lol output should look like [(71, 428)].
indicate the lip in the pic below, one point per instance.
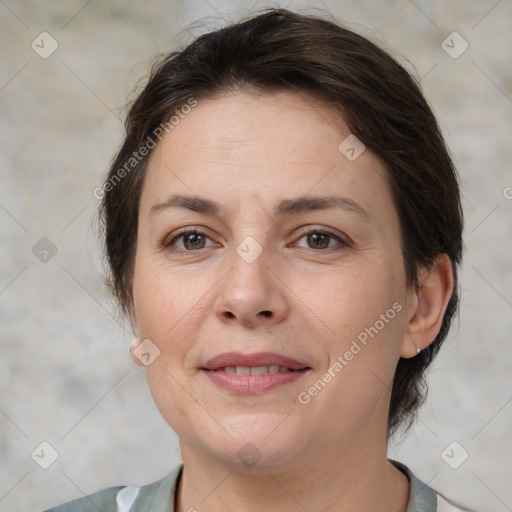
[(259, 359), (253, 384)]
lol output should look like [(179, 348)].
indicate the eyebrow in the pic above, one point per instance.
[(285, 207)]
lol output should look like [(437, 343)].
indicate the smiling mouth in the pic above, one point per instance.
[(255, 380), (256, 370), (249, 374)]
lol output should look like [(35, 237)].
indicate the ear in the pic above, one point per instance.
[(133, 323), (133, 318), (135, 359), (426, 306), (130, 309)]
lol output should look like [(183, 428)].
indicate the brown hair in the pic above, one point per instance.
[(378, 99)]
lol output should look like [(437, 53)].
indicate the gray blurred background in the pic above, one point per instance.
[(65, 374)]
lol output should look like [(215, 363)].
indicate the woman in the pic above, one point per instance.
[(283, 228)]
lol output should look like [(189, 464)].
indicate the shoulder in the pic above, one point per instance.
[(423, 498), (445, 505), (104, 500), (127, 498)]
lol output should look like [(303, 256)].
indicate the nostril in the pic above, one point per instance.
[(266, 313)]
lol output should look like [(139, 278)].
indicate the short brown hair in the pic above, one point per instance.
[(279, 50)]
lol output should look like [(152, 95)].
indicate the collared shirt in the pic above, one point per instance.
[(160, 497)]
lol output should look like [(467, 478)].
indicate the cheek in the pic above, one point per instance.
[(365, 315), (347, 300), (156, 300), (164, 304), (167, 303), (362, 317)]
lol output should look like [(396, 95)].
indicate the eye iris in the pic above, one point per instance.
[(319, 239), (196, 240)]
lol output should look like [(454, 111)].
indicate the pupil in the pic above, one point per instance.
[(194, 239), (315, 239)]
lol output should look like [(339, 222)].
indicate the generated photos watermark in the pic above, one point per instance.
[(304, 397), (144, 150)]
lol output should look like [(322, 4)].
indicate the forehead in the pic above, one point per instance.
[(241, 124), (283, 143)]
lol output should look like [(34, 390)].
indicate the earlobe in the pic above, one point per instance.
[(133, 322), (135, 359), (427, 306)]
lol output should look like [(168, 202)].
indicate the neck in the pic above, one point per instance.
[(355, 478)]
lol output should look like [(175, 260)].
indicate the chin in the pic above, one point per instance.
[(256, 441)]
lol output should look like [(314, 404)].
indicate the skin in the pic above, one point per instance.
[(247, 153)]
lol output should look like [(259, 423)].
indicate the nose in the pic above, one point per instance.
[(252, 294)]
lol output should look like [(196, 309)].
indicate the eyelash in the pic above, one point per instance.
[(342, 243)]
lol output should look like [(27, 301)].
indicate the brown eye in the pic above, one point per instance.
[(318, 240), (322, 240), (193, 241), (188, 241)]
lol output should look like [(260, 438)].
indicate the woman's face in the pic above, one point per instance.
[(269, 280)]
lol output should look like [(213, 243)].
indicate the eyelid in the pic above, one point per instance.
[(170, 239), (343, 240)]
